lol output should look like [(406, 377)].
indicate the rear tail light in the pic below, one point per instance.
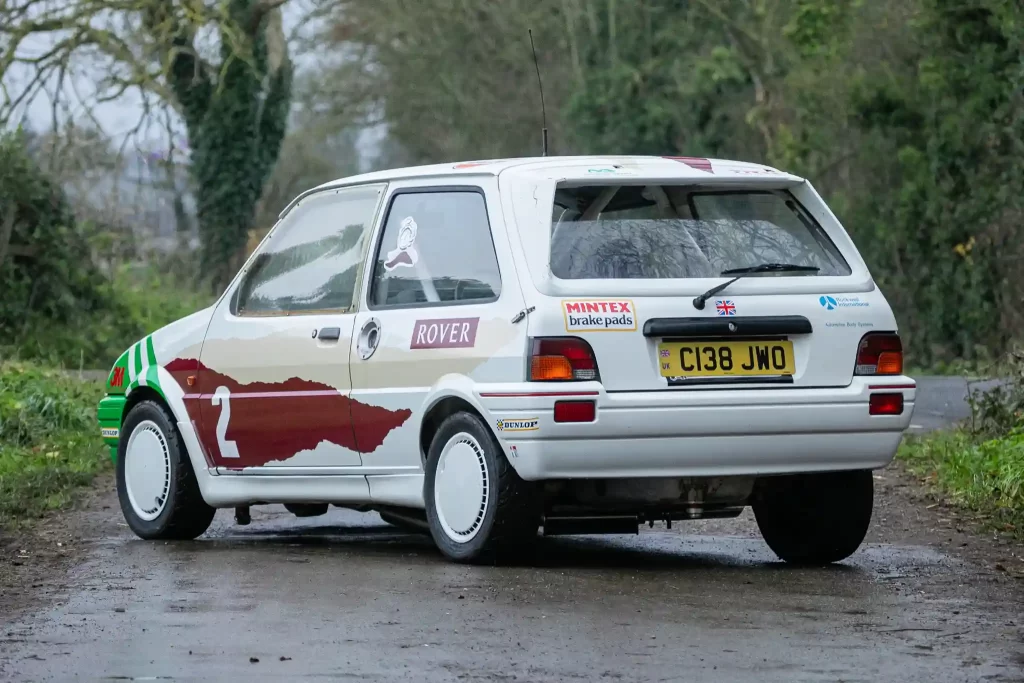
[(880, 353), (575, 411), (562, 359), (885, 404)]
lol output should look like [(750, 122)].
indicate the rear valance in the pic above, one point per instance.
[(727, 327)]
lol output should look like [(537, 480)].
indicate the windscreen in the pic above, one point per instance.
[(670, 232)]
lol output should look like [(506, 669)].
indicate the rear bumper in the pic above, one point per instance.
[(697, 432)]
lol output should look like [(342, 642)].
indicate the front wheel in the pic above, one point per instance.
[(814, 518), (477, 506), (156, 486)]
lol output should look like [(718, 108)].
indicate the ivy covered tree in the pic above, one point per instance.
[(221, 65), (42, 273)]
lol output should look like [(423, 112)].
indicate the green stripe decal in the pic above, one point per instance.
[(152, 379), (138, 359), (150, 353)]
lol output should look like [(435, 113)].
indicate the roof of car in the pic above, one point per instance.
[(570, 168), (570, 165)]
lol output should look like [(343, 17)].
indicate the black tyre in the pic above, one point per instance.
[(814, 518), (156, 486), (478, 508)]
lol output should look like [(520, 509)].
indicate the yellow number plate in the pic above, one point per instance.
[(726, 359)]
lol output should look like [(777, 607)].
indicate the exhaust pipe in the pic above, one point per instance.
[(405, 519), (562, 526)]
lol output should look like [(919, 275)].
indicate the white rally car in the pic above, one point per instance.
[(579, 344)]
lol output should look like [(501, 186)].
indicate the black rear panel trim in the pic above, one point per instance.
[(677, 382), (727, 326)]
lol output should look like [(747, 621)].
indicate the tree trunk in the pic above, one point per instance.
[(235, 131), (6, 230)]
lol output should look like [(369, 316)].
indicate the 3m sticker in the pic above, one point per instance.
[(444, 333), (109, 432), (604, 315), (405, 252), (117, 377), (528, 425)]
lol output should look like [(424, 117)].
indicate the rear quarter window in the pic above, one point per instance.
[(436, 249)]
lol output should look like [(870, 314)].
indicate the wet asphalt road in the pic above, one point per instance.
[(345, 597)]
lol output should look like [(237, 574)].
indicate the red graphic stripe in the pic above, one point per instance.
[(538, 393), (273, 421), (698, 163)]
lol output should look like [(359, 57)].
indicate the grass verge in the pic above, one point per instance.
[(141, 301), (985, 476), (49, 440)]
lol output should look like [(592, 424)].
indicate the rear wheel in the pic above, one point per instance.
[(157, 489), (814, 518), (478, 508)]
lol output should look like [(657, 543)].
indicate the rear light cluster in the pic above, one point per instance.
[(554, 359), (880, 353)]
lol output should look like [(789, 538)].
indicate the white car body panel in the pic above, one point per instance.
[(643, 429)]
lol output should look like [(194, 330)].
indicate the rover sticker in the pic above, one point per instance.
[(594, 315), (444, 333), (530, 424)]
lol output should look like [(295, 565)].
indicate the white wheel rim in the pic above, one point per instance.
[(461, 488), (147, 470)]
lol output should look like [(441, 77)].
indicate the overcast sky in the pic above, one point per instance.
[(120, 117)]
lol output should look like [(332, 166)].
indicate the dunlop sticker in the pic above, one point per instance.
[(527, 425), (109, 432)]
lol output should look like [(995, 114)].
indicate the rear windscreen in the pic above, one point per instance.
[(667, 232)]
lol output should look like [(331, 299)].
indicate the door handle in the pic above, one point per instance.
[(329, 334)]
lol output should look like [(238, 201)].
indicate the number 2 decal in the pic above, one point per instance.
[(228, 449)]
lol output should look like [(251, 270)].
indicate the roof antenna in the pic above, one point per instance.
[(543, 112)]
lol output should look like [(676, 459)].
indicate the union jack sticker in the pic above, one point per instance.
[(725, 307)]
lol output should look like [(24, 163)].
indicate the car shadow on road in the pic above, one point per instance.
[(646, 551)]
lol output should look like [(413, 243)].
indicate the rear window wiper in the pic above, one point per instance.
[(699, 301), (771, 267)]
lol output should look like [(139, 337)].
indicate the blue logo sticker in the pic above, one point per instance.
[(831, 303)]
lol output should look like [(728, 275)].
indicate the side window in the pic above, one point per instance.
[(436, 248), (311, 262)]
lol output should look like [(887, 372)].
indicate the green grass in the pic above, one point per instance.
[(985, 476), (141, 301), (49, 440)]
